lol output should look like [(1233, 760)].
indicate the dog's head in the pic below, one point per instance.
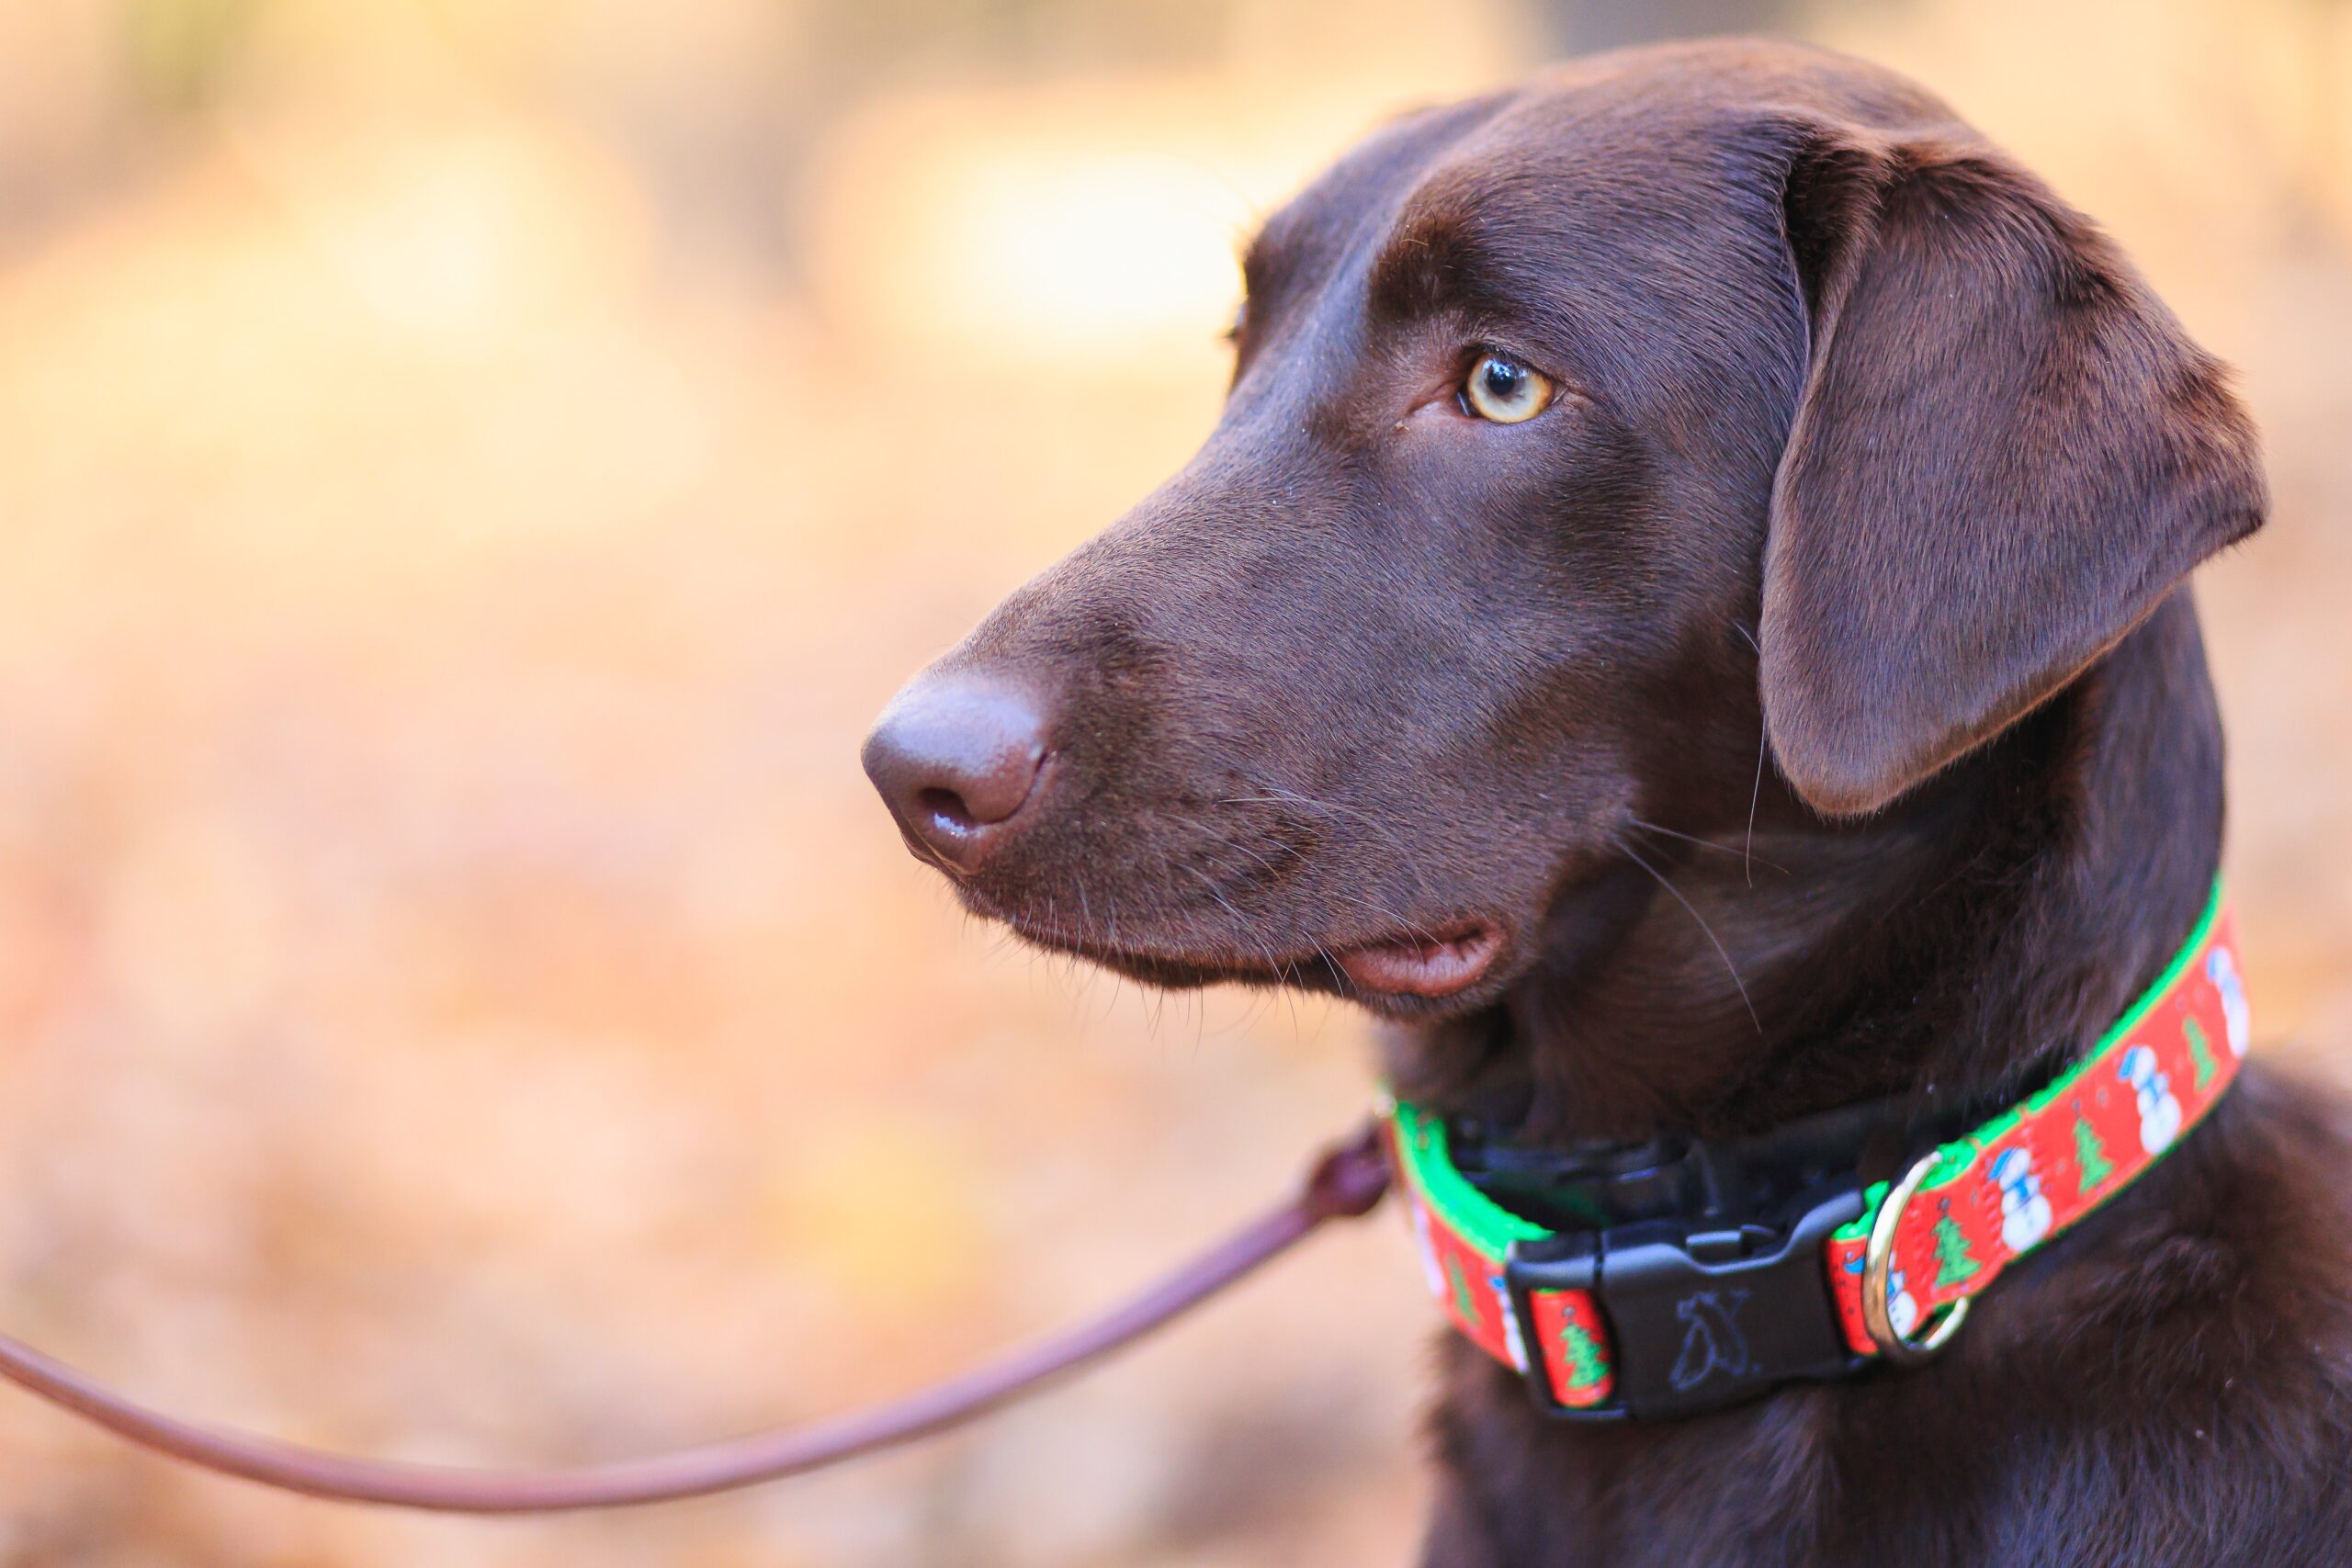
[(1578, 435)]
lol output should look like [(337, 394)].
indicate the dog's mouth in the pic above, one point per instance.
[(1424, 964), (1419, 965)]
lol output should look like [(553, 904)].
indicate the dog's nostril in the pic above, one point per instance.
[(956, 757), (944, 805)]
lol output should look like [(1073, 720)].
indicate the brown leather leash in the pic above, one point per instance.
[(1346, 1181)]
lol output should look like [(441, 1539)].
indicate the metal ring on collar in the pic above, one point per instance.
[(1878, 1262)]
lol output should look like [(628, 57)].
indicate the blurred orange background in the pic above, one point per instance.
[(468, 471)]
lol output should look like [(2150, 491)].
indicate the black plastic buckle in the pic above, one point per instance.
[(1700, 1315)]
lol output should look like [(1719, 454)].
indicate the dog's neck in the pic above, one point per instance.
[(1955, 948)]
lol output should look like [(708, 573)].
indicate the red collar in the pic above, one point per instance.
[(1666, 1317)]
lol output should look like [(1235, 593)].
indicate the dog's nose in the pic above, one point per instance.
[(956, 757)]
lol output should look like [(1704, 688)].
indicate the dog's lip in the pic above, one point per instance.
[(1428, 962), (1425, 963)]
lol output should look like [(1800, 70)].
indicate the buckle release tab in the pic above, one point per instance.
[(1701, 1315)]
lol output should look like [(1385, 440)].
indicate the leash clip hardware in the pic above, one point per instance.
[(1700, 1314)]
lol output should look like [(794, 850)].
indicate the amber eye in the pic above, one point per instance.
[(1504, 390)]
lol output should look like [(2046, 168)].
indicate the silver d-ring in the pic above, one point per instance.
[(1878, 1262)]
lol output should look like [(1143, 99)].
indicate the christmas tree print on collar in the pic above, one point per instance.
[(2091, 1165)]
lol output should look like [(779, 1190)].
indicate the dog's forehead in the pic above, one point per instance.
[(1618, 218), (1615, 147), (1560, 183)]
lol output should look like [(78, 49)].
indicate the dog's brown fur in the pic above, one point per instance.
[(1841, 589)]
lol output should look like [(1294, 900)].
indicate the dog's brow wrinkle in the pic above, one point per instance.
[(1409, 280)]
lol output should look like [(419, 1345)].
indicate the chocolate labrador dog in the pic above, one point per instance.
[(1683, 616)]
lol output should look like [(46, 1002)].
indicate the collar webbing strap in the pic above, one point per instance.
[(1714, 1324)]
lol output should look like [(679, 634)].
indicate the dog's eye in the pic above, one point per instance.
[(1504, 390)]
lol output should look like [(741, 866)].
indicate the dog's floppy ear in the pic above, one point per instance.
[(2005, 455)]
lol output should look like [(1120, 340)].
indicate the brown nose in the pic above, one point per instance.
[(956, 757)]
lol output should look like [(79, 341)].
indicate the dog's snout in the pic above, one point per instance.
[(956, 757)]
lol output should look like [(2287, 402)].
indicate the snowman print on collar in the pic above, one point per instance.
[(2221, 968), (2159, 1107), (1513, 1341), (1902, 1307), (2025, 1209)]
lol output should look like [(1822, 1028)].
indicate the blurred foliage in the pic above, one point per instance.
[(469, 470), (177, 52)]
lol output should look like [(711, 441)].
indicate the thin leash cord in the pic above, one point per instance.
[(1346, 1181)]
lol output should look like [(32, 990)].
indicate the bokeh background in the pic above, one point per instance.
[(467, 472)]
